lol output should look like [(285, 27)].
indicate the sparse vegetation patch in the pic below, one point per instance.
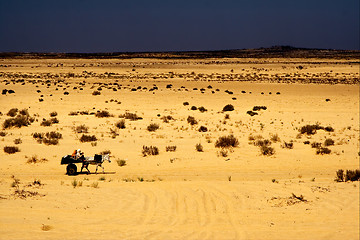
[(11, 149), (153, 127), (152, 150), (88, 138), (227, 141), (191, 120)]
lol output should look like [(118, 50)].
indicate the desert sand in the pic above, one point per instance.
[(230, 193)]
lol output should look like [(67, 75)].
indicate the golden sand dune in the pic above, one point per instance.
[(283, 190)]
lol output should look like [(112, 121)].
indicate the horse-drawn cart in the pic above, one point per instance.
[(71, 168)]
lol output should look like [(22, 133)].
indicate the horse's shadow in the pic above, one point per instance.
[(93, 173)]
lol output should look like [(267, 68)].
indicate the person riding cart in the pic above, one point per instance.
[(78, 155)]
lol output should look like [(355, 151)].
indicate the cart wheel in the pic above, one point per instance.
[(71, 169)]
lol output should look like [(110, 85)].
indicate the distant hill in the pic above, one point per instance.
[(272, 52)]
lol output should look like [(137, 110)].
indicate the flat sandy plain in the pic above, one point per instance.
[(184, 194)]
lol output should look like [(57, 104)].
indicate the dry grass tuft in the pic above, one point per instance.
[(227, 141), (34, 159), (88, 138), (153, 127), (199, 147), (152, 150)]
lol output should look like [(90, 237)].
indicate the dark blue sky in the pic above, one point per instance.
[(118, 26)]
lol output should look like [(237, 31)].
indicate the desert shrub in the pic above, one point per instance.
[(227, 116), (73, 113), (310, 129), (323, 150), (261, 143), (153, 127), (130, 116), (352, 175), (50, 141), (227, 141), (170, 148), (11, 149), (84, 112), (74, 183), (339, 175), (38, 135), (17, 141), (329, 129), (193, 108), (18, 121), (251, 113), (306, 142), (316, 145), (121, 162), (252, 138), (53, 135), (103, 113), (49, 138), (81, 129), (88, 138), (288, 145), (199, 147), (12, 112), (120, 124), (24, 112), (95, 93), (152, 150), (34, 159), (258, 108), (275, 138), (185, 103), (203, 129), (228, 107), (329, 142), (267, 150), (202, 109), (54, 120), (191, 120), (46, 123), (53, 114), (2, 134), (223, 152), (166, 119)]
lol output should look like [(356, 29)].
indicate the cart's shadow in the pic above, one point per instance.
[(93, 173)]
